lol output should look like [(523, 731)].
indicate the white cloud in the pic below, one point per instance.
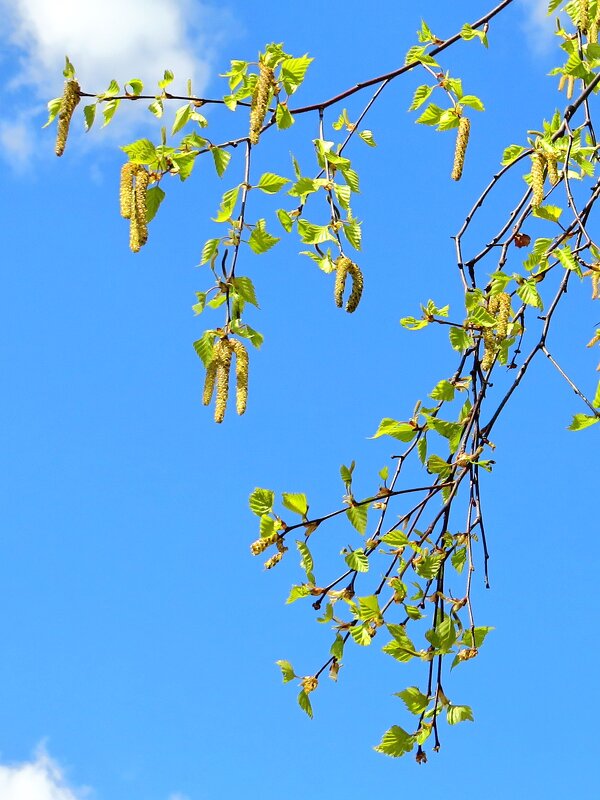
[(539, 27), (178, 796), (41, 779), (104, 39)]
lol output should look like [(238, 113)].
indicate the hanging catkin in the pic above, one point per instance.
[(68, 103), (260, 101), (462, 140)]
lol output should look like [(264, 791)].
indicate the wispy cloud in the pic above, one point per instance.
[(105, 39), (40, 779), (539, 27)]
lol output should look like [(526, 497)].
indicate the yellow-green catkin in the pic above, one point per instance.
[(462, 140), (260, 545), (342, 265), (537, 179), (273, 561), (561, 82), (570, 86), (223, 356), (552, 169), (260, 101), (138, 231), (596, 284), (584, 14), (209, 381), (68, 103), (310, 683), (241, 375), (499, 306), (503, 315), (126, 189), (357, 287), (593, 27)]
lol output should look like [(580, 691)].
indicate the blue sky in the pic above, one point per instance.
[(138, 634)]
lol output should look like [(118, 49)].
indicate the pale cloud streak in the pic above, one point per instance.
[(40, 779), (539, 27), (104, 39)]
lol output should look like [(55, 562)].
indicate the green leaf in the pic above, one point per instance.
[(567, 259), (529, 294), (182, 117), (346, 473), (306, 562), (596, 400), (271, 183), (422, 93), (198, 307), (431, 115), (53, 109), (428, 566), (337, 648), (184, 164), (109, 111), (154, 198), (244, 287), (295, 502), (512, 152), (581, 421), (460, 339), (455, 714), (221, 159), (260, 240), (283, 118), (209, 251), (89, 114), (472, 102), (358, 517), (351, 178), (403, 431), (287, 670), (357, 560), (204, 347), (140, 152), (293, 72), (254, 337), (459, 559), (368, 608), (261, 501), (395, 742), (480, 317), (314, 234), (69, 70), (395, 538), (353, 233), (304, 703), (286, 221), (444, 390), (156, 107), (135, 87), (367, 136), (477, 637), (298, 592), (361, 634), (551, 213), (414, 700), (167, 79)]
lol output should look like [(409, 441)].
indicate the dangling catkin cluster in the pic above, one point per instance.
[(260, 101), (462, 140), (68, 103), (309, 684), (218, 370), (343, 267), (499, 307), (537, 179), (260, 545)]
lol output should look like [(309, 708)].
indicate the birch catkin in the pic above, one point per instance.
[(462, 140), (260, 101), (344, 267), (138, 231), (241, 375), (126, 189), (552, 169), (537, 179), (223, 367), (68, 103), (584, 13)]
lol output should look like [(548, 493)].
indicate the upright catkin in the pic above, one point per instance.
[(241, 375), (126, 189), (68, 103), (260, 101), (537, 179), (462, 140)]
